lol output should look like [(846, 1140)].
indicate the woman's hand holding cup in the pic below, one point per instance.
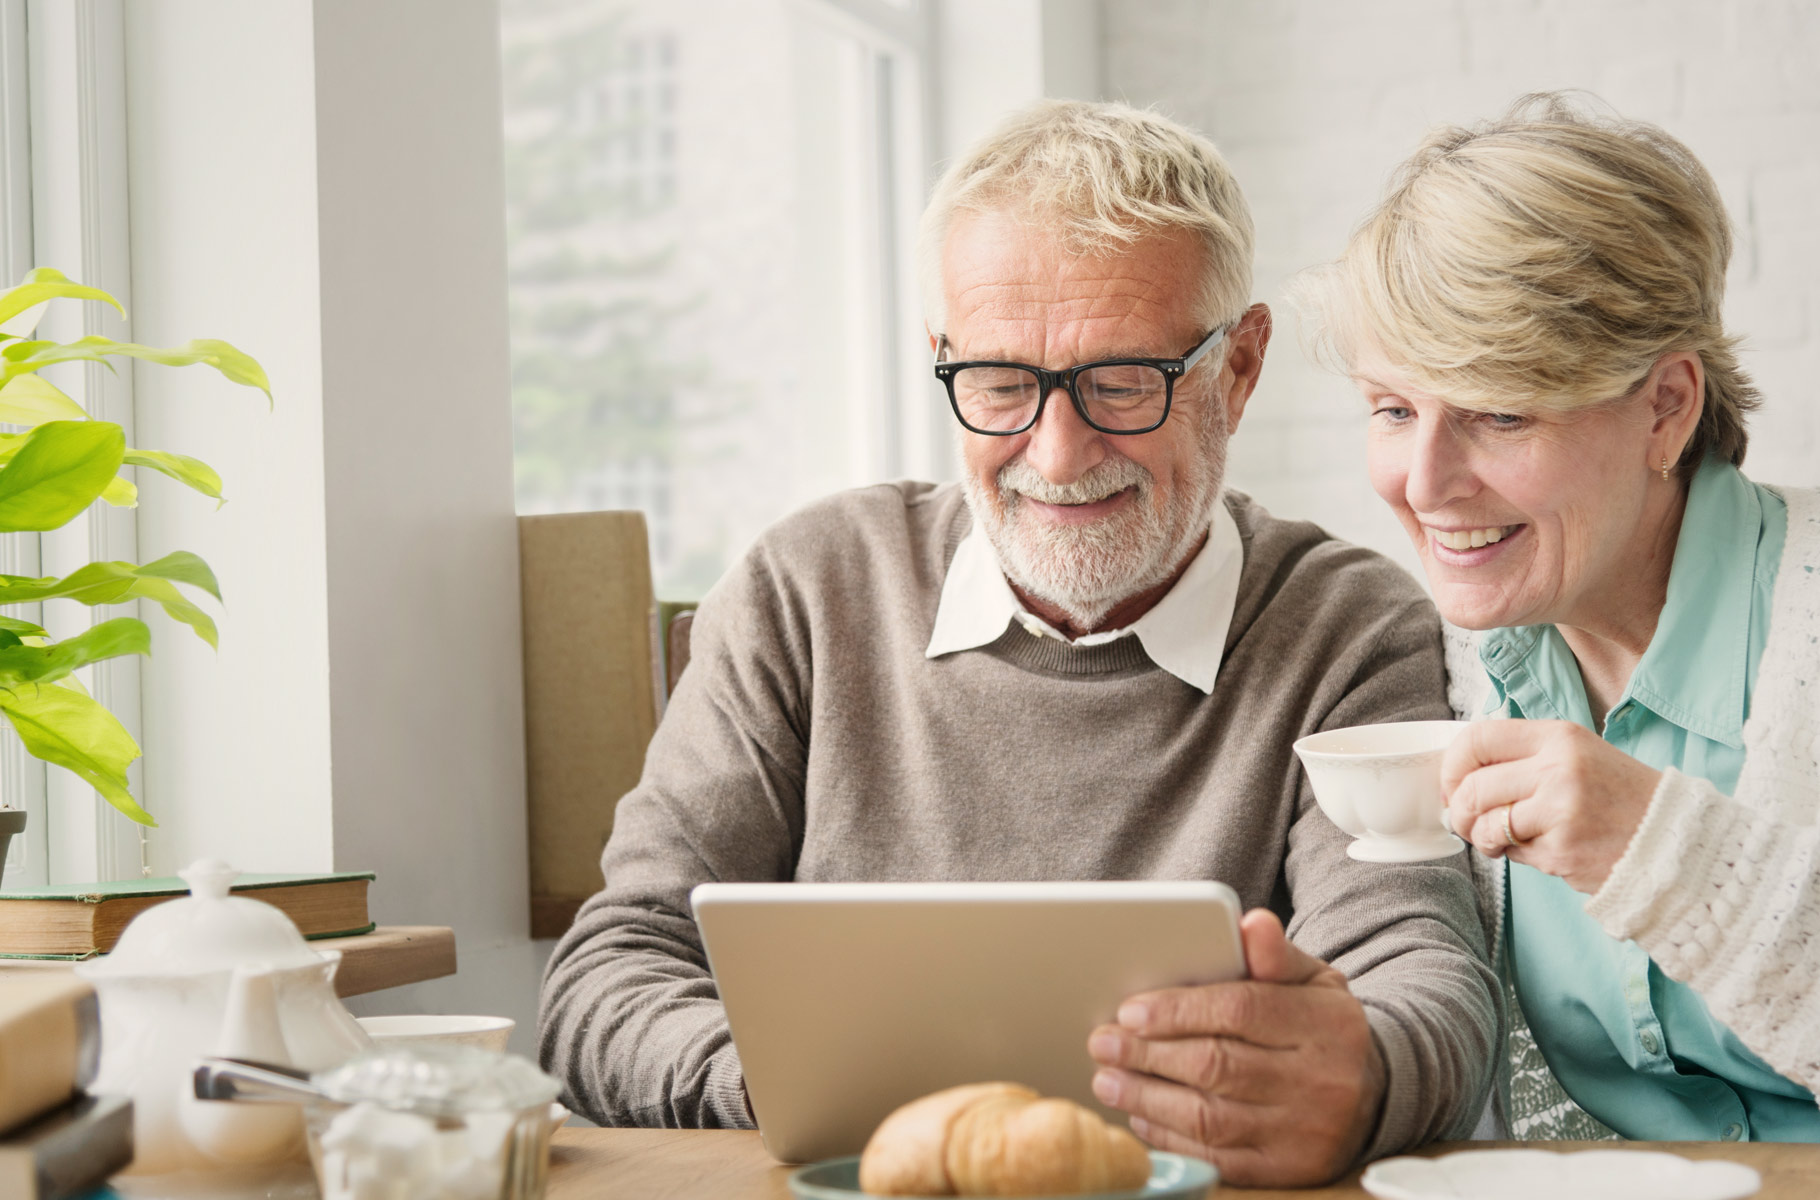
[(1549, 794)]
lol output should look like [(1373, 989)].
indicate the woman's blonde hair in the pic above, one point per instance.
[(1542, 261), (1101, 176)]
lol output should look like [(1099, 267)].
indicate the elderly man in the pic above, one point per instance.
[(1082, 663)]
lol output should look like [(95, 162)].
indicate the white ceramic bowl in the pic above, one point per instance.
[(1382, 784), (489, 1033)]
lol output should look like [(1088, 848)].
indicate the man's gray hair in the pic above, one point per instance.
[(1102, 176)]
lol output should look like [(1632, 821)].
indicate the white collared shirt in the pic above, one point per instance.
[(1184, 633)]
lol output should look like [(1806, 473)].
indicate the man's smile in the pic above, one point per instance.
[(1079, 514)]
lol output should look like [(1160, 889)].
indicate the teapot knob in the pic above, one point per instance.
[(209, 878)]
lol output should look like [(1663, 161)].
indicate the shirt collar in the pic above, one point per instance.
[(1693, 671), (1703, 635), (1184, 633)]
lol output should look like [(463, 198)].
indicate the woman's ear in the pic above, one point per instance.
[(1676, 391)]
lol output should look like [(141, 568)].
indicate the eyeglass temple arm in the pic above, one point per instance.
[(1201, 351)]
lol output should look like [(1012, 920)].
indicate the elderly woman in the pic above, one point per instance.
[(1558, 419)]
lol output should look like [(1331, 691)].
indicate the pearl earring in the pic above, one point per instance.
[(1665, 468)]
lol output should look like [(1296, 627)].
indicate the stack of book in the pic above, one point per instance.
[(84, 920), (55, 1141)]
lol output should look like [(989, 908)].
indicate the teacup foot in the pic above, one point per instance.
[(1416, 848)]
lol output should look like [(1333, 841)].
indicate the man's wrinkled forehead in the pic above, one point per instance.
[(1008, 277)]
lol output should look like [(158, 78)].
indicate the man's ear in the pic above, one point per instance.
[(1246, 345), (1676, 391), (934, 339)]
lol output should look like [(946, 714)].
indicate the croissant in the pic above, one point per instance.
[(999, 1139)]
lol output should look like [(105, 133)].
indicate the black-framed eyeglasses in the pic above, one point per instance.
[(1114, 395)]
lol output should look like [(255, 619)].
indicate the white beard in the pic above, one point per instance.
[(1086, 570)]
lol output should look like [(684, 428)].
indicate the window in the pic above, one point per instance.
[(710, 205), (63, 142)]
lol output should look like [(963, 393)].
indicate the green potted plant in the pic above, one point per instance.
[(62, 462)]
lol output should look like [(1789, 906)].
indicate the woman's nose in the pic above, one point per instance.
[(1062, 446), (1440, 470)]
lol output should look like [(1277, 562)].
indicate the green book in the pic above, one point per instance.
[(82, 920)]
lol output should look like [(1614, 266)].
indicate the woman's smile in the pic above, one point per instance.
[(1470, 546)]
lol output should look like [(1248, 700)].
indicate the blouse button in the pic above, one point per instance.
[(1732, 1132), (1650, 1042)]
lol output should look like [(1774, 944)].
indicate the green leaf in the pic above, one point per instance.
[(22, 664), (14, 625), (67, 728), (29, 400), (234, 364), (117, 582), (121, 492), (45, 284), (185, 470), (59, 470), (184, 567), (178, 607)]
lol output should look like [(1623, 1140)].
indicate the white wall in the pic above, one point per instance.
[(223, 200), (320, 183), (1314, 102)]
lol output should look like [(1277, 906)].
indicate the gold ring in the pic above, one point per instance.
[(1510, 839)]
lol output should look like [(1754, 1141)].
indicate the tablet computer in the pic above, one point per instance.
[(848, 999)]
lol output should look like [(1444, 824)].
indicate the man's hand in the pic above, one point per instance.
[(1551, 794), (1275, 1080)]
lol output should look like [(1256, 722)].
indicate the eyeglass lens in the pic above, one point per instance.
[(1116, 396)]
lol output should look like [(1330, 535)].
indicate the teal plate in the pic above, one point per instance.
[(1172, 1177)]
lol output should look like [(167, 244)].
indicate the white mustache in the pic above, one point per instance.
[(1107, 479)]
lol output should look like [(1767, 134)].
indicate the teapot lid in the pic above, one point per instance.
[(206, 931)]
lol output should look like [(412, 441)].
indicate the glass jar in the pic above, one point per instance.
[(433, 1122)]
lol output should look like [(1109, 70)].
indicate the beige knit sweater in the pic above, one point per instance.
[(811, 739)]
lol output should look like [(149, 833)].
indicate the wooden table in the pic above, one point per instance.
[(667, 1164)]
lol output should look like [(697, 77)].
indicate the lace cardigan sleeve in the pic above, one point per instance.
[(1723, 892)]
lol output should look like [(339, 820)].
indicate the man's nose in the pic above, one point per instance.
[(1062, 446), (1440, 469)]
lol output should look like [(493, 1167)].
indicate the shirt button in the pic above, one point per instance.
[(1650, 1043), (1732, 1132)]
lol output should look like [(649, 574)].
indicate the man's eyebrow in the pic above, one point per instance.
[(1097, 356)]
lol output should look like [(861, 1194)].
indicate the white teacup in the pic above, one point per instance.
[(489, 1033), (1382, 784)]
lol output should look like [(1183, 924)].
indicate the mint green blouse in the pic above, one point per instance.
[(1631, 1046)]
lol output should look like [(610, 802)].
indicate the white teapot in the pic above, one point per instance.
[(213, 974)]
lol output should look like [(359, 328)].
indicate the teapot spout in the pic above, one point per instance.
[(251, 1028), (240, 1133)]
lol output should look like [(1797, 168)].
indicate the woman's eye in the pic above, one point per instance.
[(1391, 412), (1504, 420)]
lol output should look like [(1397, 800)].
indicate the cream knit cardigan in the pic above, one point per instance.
[(1723, 892)]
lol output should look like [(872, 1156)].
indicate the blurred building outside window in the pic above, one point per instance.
[(710, 207)]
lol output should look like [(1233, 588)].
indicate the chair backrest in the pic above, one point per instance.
[(592, 694), (676, 646)]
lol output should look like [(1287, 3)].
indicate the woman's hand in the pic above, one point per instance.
[(1550, 794)]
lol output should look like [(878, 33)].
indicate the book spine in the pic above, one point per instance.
[(50, 1045), (70, 1152)]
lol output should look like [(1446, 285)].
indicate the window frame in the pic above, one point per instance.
[(63, 113)]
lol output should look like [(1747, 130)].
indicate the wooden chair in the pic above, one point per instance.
[(600, 656)]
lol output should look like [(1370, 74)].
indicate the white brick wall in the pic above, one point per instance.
[(1315, 101)]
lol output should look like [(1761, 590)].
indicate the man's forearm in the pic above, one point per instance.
[(1436, 1036), (633, 1027)]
